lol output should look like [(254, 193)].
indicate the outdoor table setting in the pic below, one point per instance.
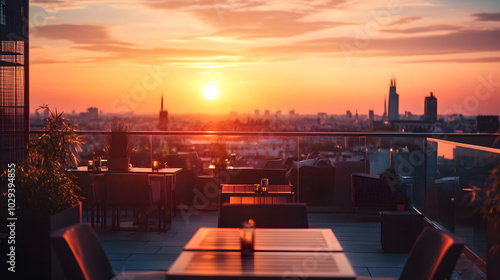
[(263, 253)]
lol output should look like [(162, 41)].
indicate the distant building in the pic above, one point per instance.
[(257, 113), (91, 114), (371, 115), (487, 124), (14, 81), (430, 108), (348, 114), (393, 102), (163, 120), (267, 113), (322, 118), (413, 126), (278, 114), (291, 113), (384, 116)]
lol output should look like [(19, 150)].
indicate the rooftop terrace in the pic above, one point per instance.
[(359, 237)]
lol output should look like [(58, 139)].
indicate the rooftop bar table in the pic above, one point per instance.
[(170, 181), (214, 253), (266, 239), (261, 265)]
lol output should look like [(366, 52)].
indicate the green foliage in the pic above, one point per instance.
[(119, 141), (487, 197), (42, 184)]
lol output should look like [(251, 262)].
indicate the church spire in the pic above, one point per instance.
[(161, 102)]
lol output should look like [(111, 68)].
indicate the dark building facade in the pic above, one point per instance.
[(14, 81), (393, 102), (163, 119), (430, 108), (488, 124)]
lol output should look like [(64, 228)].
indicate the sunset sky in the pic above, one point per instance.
[(310, 56)]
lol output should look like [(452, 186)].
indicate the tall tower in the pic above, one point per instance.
[(14, 81), (163, 121), (430, 108), (393, 102), (384, 117)]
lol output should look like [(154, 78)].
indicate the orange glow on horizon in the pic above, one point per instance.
[(270, 55)]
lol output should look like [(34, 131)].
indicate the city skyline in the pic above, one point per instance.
[(315, 56)]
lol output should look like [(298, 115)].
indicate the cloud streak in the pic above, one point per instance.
[(487, 16), (469, 41), (78, 34)]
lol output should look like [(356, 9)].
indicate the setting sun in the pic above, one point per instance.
[(210, 92)]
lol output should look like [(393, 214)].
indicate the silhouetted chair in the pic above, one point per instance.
[(100, 198), (315, 185), (83, 258), (160, 192), (433, 256), (273, 163), (85, 180), (288, 215), (132, 190)]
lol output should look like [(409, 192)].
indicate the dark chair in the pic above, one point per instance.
[(100, 198), (273, 163), (315, 185), (126, 190), (433, 256), (83, 258), (288, 215), (85, 180)]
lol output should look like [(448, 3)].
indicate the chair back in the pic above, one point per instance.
[(99, 189), (85, 180), (126, 189), (433, 256), (81, 254), (157, 184), (273, 163), (287, 215)]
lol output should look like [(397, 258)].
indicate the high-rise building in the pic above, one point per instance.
[(393, 102), (384, 116), (430, 108), (371, 115), (14, 81), (163, 121)]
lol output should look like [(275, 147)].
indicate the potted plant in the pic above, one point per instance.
[(119, 147), (46, 196), (486, 200)]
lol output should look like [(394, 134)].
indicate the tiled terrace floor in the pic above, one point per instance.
[(360, 238)]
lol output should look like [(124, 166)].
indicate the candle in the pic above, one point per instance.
[(156, 165), (90, 165), (247, 236)]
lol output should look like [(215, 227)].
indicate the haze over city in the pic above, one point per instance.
[(307, 56)]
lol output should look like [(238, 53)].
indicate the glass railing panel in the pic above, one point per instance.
[(454, 171)]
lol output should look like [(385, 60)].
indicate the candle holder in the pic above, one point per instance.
[(90, 165), (264, 185), (155, 165), (247, 236)]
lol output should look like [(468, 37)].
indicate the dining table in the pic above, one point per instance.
[(170, 174), (298, 253)]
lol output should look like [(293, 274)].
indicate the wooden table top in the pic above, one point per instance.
[(136, 170), (261, 265), (249, 188), (267, 239)]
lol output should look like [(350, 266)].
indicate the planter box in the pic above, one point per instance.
[(493, 257), (34, 258)]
